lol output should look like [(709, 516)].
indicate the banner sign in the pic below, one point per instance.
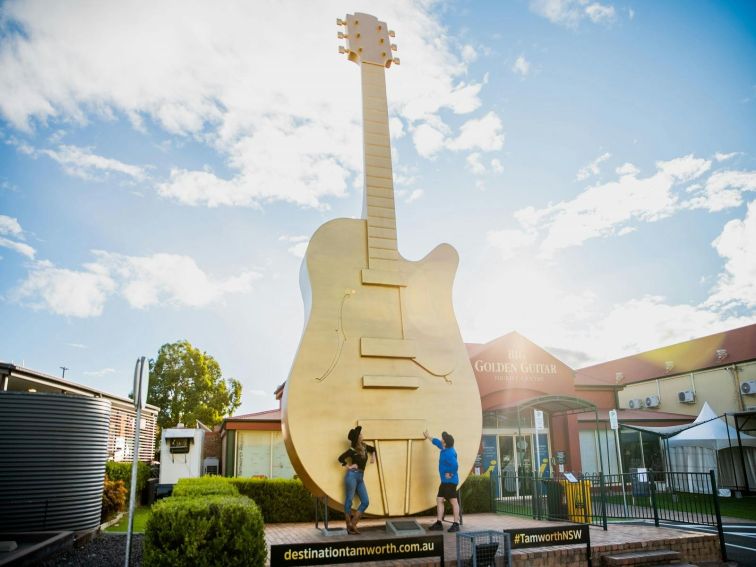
[(322, 553), (556, 535)]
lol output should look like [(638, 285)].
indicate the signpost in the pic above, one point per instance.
[(614, 424), (141, 380), (538, 419)]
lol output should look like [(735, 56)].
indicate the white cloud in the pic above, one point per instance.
[(469, 54), (570, 13), (299, 247), (81, 162), (77, 345), (723, 190), (65, 292), (282, 139), (736, 286), (521, 66), (510, 242), (600, 13), (10, 226), (496, 166), (474, 164), (610, 208), (20, 247), (142, 281), (428, 140), (168, 278), (484, 134), (684, 168), (627, 169), (719, 156), (592, 168), (414, 196)]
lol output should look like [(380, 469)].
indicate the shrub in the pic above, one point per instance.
[(205, 531), (204, 486), (122, 471), (280, 499), (113, 498), (475, 494)]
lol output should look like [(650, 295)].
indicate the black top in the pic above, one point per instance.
[(356, 458)]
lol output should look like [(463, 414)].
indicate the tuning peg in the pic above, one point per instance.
[(392, 33), (341, 35), (393, 47), (341, 49), (396, 60), (340, 22)]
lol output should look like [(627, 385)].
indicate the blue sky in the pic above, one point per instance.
[(161, 171)]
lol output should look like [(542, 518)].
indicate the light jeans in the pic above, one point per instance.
[(354, 482)]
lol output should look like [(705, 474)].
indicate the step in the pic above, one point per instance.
[(645, 557)]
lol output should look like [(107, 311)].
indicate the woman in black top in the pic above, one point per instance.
[(354, 481)]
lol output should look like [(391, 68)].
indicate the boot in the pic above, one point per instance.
[(348, 519), (355, 518)]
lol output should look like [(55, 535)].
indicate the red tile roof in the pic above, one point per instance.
[(720, 349)]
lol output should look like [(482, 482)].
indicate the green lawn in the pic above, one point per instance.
[(141, 515)]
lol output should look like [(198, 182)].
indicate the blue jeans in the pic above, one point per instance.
[(354, 482)]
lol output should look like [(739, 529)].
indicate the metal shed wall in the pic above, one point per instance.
[(53, 449)]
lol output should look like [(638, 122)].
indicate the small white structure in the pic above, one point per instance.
[(180, 454)]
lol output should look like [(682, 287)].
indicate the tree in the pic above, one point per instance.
[(187, 385)]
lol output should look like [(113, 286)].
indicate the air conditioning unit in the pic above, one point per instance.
[(686, 397), (652, 402), (635, 404), (748, 387)]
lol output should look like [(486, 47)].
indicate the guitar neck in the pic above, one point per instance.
[(378, 203)]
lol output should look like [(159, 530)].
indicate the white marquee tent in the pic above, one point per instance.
[(710, 443)]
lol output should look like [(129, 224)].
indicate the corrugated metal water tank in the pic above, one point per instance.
[(53, 449)]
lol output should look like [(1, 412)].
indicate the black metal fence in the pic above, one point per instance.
[(690, 498)]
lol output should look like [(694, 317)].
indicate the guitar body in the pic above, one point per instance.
[(384, 355)]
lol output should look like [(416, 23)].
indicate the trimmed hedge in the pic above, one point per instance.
[(287, 500), (206, 531), (281, 500), (122, 471), (205, 486)]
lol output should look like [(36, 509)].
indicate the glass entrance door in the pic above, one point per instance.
[(517, 455)]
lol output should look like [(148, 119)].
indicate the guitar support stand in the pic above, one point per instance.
[(325, 530)]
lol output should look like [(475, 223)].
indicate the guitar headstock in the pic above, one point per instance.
[(367, 40)]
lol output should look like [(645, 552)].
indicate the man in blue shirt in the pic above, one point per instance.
[(447, 470)]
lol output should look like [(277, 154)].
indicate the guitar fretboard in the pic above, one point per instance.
[(378, 204)]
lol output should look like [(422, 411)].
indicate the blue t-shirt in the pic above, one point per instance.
[(447, 463)]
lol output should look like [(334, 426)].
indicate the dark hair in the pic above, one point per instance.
[(448, 439)]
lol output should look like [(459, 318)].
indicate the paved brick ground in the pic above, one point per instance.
[(693, 545)]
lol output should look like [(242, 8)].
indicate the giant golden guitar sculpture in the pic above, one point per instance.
[(381, 347)]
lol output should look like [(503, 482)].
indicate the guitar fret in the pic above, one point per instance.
[(384, 253), (374, 170), (380, 201), (379, 161), (378, 222), (377, 139), (377, 151), (377, 243), (374, 232), (384, 192), (381, 212), (373, 181)]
